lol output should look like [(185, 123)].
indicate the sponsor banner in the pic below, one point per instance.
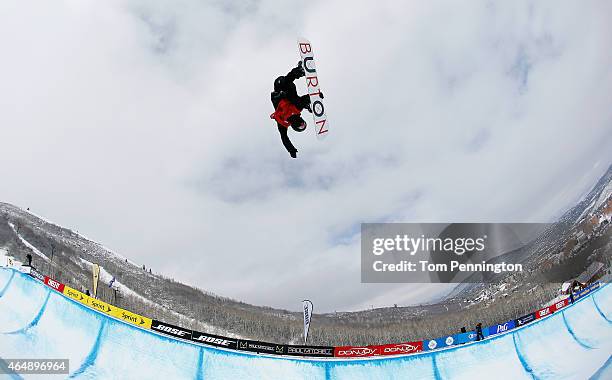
[(133, 318), (10, 262), (559, 305), (100, 305), (543, 312), (382, 350), (434, 344), (35, 274), (307, 306), (501, 328), (262, 347), (76, 295), (117, 312), (214, 340), (168, 329), (582, 293), (56, 285), (401, 348), (466, 337), (24, 269), (356, 351), (586, 291), (485, 331), (310, 351), (449, 341), (525, 319)]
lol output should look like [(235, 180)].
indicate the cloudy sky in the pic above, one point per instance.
[(145, 126)]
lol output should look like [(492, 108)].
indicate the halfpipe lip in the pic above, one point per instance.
[(309, 359)]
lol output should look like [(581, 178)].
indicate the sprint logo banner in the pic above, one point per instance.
[(108, 309)]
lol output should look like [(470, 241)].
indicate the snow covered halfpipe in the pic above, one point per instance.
[(37, 322)]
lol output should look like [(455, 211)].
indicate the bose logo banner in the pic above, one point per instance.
[(171, 330), (213, 340)]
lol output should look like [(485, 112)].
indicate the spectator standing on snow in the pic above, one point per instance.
[(479, 335)]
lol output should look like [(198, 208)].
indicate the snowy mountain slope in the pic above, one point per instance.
[(598, 194), (546, 246), (27, 244)]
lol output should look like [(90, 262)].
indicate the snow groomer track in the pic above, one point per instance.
[(38, 322)]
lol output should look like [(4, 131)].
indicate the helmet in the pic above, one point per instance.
[(297, 123), (278, 83)]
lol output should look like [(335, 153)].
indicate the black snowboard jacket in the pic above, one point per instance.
[(284, 88)]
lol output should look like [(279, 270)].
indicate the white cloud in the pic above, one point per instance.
[(145, 125)]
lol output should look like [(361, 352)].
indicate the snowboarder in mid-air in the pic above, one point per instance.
[(288, 106)]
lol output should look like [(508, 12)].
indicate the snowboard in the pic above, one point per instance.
[(314, 91)]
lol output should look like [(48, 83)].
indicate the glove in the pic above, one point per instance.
[(298, 71), (304, 102)]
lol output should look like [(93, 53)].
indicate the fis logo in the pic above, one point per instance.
[(432, 344)]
